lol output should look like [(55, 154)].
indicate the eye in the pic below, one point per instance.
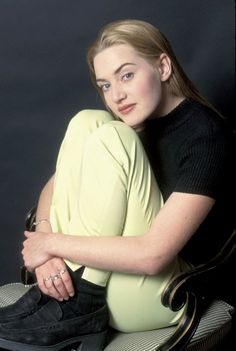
[(105, 87), (128, 76)]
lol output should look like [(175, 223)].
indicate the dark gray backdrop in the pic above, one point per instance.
[(44, 81)]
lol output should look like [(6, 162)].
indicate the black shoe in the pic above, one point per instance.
[(56, 325), (30, 302), (53, 333)]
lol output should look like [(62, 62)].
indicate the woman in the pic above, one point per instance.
[(113, 219)]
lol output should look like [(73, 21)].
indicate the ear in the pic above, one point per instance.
[(164, 67)]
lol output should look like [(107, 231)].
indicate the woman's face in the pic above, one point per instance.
[(131, 86)]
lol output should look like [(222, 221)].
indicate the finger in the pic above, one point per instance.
[(46, 285), (42, 285), (51, 289), (67, 281), (59, 286), (63, 283)]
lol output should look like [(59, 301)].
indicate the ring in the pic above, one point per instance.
[(55, 277), (61, 271), (46, 279)]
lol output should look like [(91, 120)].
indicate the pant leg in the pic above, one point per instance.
[(68, 166), (117, 195)]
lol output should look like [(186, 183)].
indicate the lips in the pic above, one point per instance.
[(126, 108)]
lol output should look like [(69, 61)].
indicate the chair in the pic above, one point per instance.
[(206, 321)]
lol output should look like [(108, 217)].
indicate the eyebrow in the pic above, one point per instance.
[(117, 71)]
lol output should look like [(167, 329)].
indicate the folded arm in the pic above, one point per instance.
[(148, 254), (62, 288)]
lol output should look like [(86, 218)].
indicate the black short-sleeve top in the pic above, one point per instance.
[(190, 151)]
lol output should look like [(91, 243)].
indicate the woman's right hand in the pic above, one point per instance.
[(54, 279)]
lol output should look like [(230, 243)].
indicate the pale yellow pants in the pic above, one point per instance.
[(104, 185)]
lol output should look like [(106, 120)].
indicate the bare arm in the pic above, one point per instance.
[(172, 228), (43, 206), (63, 288)]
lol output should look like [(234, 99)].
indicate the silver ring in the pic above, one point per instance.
[(46, 279), (55, 277), (61, 271)]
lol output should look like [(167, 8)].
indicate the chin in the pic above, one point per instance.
[(132, 120)]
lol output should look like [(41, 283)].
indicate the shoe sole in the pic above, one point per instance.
[(91, 342)]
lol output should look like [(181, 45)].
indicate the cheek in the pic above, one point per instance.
[(149, 84), (107, 101), (151, 90)]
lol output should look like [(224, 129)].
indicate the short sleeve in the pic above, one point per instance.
[(203, 165)]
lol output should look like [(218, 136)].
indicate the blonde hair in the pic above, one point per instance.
[(150, 43)]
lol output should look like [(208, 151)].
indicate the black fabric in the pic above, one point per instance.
[(190, 151), (29, 303), (88, 298), (52, 321), (47, 327)]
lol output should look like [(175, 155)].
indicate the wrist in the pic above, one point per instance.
[(50, 244), (39, 221), (43, 225)]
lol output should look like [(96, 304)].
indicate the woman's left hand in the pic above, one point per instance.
[(34, 249)]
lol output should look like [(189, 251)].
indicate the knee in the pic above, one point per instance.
[(120, 128), (93, 118), (114, 136)]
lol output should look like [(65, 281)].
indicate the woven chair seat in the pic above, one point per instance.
[(214, 325)]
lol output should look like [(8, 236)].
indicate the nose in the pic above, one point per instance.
[(118, 93)]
